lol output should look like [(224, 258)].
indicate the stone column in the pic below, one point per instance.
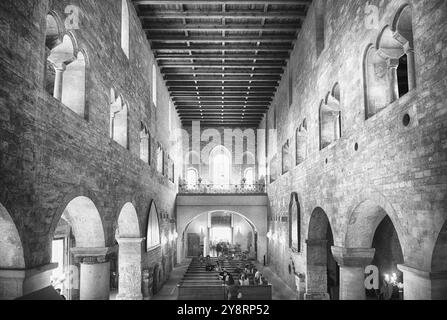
[(352, 264), (94, 273), (393, 81), (130, 272), (316, 279), (17, 283), (423, 285), (411, 68), (60, 69)]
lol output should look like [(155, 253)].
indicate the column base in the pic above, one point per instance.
[(316, 296)]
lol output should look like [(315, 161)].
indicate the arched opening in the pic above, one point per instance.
[(125, 34), (220, 167), (249, 176), (65, 76), (154, 85), (160, 159), (145, 144), (395, 44), (439, 266), (11, 257), (294, 223), (371, 227), (301, 145), (153, 229), (323, 273), (376, 82), (80, 229), (118, 120), (220, 233), (129, 255), (192, 177), (320, 38), (330, 118)]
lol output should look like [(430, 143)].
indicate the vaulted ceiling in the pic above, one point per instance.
[(222, 60)]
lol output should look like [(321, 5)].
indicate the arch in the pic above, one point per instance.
[(118, 119), (220, 166), (192, 177), (249, 176), (248, 158), (11, 248), (403, 25), (54, 30), (65, 52), (145, 144), (85, 220), (300, 144), (128, 223), (323, 273), (387, 44), (153, 228), (364, 221), (330, 118), (74, 83), (125, 26), (154, 85), (294, 222), (439, 257), (375, 81)]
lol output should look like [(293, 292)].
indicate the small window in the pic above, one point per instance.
[(153, 229), (160, 160), (330, 118), (320, 26), (192, 177), (286, 163), (154, 85), (290, 88), (125, 34), (249, 176), (118, 120), (144, 144)]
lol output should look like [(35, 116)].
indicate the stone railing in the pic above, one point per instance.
[(222, 189)]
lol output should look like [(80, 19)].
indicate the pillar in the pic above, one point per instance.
[(59, 79), (423, 285), (411, 66), (94, 273), (130, 271), (352, 264), (393, 81), (316, 279), (17, 283)]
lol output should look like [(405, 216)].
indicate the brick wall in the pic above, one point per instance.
[(49, 155), (400, 168)]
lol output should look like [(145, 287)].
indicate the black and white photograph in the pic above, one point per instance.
[(216, 157)]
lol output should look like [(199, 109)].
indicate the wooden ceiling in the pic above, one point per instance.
[(222, 60)]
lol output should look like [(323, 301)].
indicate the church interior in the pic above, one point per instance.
[(223, 150)]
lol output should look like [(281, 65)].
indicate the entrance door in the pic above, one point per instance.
[(193, 245)]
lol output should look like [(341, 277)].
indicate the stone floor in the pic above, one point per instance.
[(281, 291)]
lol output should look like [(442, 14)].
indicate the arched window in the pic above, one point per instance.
[(376, 82), (286, 159), (320, 26), (65, 68), (249, 176), (395, 45), (192, 177), (220, 166), (118, 120), (125, 33), (160, 159), (145, 146), (330, 118), (301, 143), (154, 85), (294, 223), (153, 229)]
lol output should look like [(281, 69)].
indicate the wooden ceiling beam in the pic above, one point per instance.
[(221, 2), (211, 56), (219, 27), (242, 14)]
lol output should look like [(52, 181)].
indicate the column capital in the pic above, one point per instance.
[(423, 274), (393, 63), (353, 257), (91, 255), (130, 240)]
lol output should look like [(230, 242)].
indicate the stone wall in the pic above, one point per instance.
[(50, 155), (402, 169)]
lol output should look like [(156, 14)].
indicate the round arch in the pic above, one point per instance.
[(223, 176), (85, 220), (128, 223), (11, 249)]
